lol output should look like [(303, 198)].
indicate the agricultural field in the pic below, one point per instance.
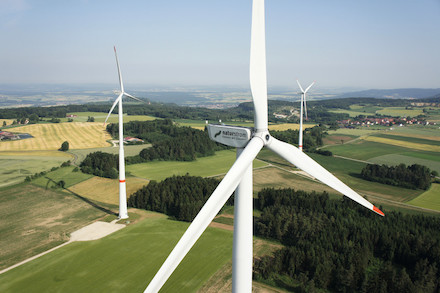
[(129, 150), (106, 190), (400, 111), (50, 136), (205, 166), (396, 159), (16, 166), (65, 174), (100, 117), (33, 220), (99, 266), (429, 199), (404, 143), (7, 121)]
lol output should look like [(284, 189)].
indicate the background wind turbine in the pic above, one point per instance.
[(303, 102), (122, 188), (240, 174)]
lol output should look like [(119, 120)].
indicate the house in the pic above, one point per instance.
[(132, 139)]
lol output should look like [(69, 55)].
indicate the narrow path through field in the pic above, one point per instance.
[(93, 231)]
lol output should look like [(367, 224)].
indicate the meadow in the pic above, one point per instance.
[(65, 174), (15, 166), (50, 136), (100, 117), (129, 150), (429, 199), (205, 166), (125, 261), (400, 111), (33, 220)]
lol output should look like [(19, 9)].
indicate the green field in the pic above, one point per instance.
[(125, 261), (206, 166), (396, 159), (129, 150), (365, 150), (400, 111), (15, 168), (33, 220), (66, 174), (100, 117), (409, 139), (357, 131), (429, 199)]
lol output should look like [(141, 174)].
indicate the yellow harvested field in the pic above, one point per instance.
[(8, 121), (405, 144), (68, 156), (430, 137), (287, 126), (106, 190), (80, 135)]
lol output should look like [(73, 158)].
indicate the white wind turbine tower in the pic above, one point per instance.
[(303, 103), (122, 189), (239, 178)]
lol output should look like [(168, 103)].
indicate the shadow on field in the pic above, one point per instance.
[(86, 200), (356, 175)]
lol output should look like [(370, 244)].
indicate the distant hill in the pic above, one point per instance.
[(410, 93)]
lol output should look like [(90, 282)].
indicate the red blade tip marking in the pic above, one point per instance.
[(375, 209)]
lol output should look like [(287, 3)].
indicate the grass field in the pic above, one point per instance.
[(106, 190), (405, 144), (125, 261), (351, 113), (66, 174), (129, 150), (100, 117), (15, 166), (33, 219), (357, 131), (50, 136), (287, 126), (396, 159), (206, 166), (400, 111), (429, 199), (411, 139)]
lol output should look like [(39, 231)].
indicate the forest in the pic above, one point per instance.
[(413, 177), (180, 197), (101, 164), (339, 246)]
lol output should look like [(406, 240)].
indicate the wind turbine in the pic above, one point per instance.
[(122, 188), (239, 177), (303, 102)]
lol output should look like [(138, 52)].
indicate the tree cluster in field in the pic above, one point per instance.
[(169, 141), (338, 246), (312, 137), (40, 174), (101, 164), (180, 197), (413, 177)]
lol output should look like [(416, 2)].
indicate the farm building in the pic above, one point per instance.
[(132, 139), (5, 135)]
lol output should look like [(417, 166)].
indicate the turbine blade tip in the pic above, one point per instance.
[(377, 211)]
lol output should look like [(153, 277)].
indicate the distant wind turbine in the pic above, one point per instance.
[(122, 188), (249, 142), (303, 102)]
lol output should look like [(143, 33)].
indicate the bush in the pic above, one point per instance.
[(64, 146)]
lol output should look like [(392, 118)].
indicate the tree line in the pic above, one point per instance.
[(180, 197), (312, 137), (338, 246), (413, 177)]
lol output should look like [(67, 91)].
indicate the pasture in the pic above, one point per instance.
[(205, 166), (129, 150), (404, 143), (106, 190), (100, 117), (50, 136), (15, 166), (400, 111), (396, 159), (125, 261), (65, 174), (33, 220), (430, 199)]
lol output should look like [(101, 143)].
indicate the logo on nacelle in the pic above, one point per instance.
[(234, 136)]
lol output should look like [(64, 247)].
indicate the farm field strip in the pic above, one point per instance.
[(410, 139), (94, 266), (405, 144), (427, 136), (100, 117), (396, 159), (429, 199), (50, 136), (205, 166), (400, 111)]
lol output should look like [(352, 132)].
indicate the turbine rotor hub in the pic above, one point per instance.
[(264, 135)]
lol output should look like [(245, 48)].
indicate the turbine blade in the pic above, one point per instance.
[(206, 214), (305, 105), (257, 68), (114, 105), (300, 87), (134, 98), (119, 71), (304, 162), (309, 87)]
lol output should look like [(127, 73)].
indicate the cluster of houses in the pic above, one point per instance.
[(6, 135), (384, 121)]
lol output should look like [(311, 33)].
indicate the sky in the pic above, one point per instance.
[(339, 43)]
